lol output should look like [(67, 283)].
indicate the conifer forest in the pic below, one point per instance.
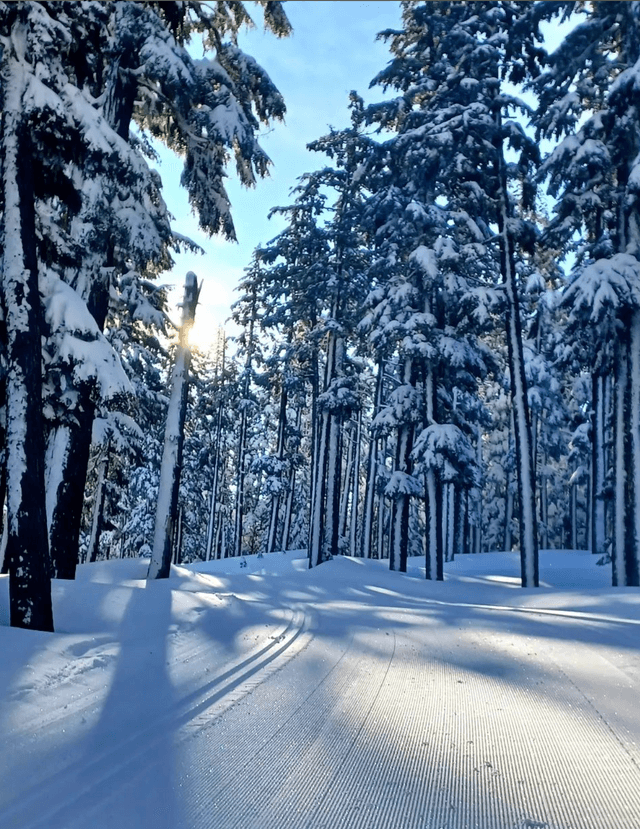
[(438, 355)]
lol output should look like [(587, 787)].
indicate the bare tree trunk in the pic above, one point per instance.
[(213, 501)]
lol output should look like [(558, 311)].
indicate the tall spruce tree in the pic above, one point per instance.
[(455, 120), (589, 99)]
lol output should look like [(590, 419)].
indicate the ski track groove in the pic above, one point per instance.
[(281, 762), (434, 727), (110, 763), (443, 757)]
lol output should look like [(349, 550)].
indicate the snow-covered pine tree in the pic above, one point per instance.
[(589, 99), (315, 283), (30, 39), (455, 121), (344, 289), (204, 110), (245, 315)]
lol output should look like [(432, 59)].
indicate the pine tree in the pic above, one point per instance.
[(454, 123), (149, 78), (588, 99)]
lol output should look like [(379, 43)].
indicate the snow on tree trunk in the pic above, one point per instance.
[(508, 512), (382, 525), (171, 467), (544, 505), (348, 480), (433, 510), (213, 502), (69, 445), (477, 534), (573, 512), (626, 546), (323, 525), (288, 512), (319, 487), (27, 544), (333, 480), (449, 522)]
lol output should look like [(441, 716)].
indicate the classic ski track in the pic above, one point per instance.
[(452, 744), (450, 747), (283, 756), (234, 681)]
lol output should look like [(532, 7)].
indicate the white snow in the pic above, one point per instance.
[(134, 664)]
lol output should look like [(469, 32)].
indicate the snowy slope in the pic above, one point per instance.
[(110, 721)]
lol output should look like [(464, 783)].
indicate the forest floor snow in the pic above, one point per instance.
[(256, 693)]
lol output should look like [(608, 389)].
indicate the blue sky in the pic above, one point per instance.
[(332, 51)]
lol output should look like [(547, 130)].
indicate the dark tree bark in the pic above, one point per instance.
[(65, 511), (27, 548)]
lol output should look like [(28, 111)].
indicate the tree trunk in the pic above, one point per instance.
[(372, 472), (355, 490), (281, 447), (521, 419), (598, 465), (508, 513), (240, 481), (171, 467), (345, 494), (334, 479), (619, 573), (632, 563), (98, 507), (544, 505), (434, 563), (400, 504), (27, 544), (325, 505), (573, 513), (288, 511), (316, 534)]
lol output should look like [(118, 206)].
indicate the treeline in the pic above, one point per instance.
[(84, 230), (416, 372)]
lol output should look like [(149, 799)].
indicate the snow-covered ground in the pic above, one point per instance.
[(256, 693)]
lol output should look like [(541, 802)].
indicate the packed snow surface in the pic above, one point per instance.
[(254, 693)]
